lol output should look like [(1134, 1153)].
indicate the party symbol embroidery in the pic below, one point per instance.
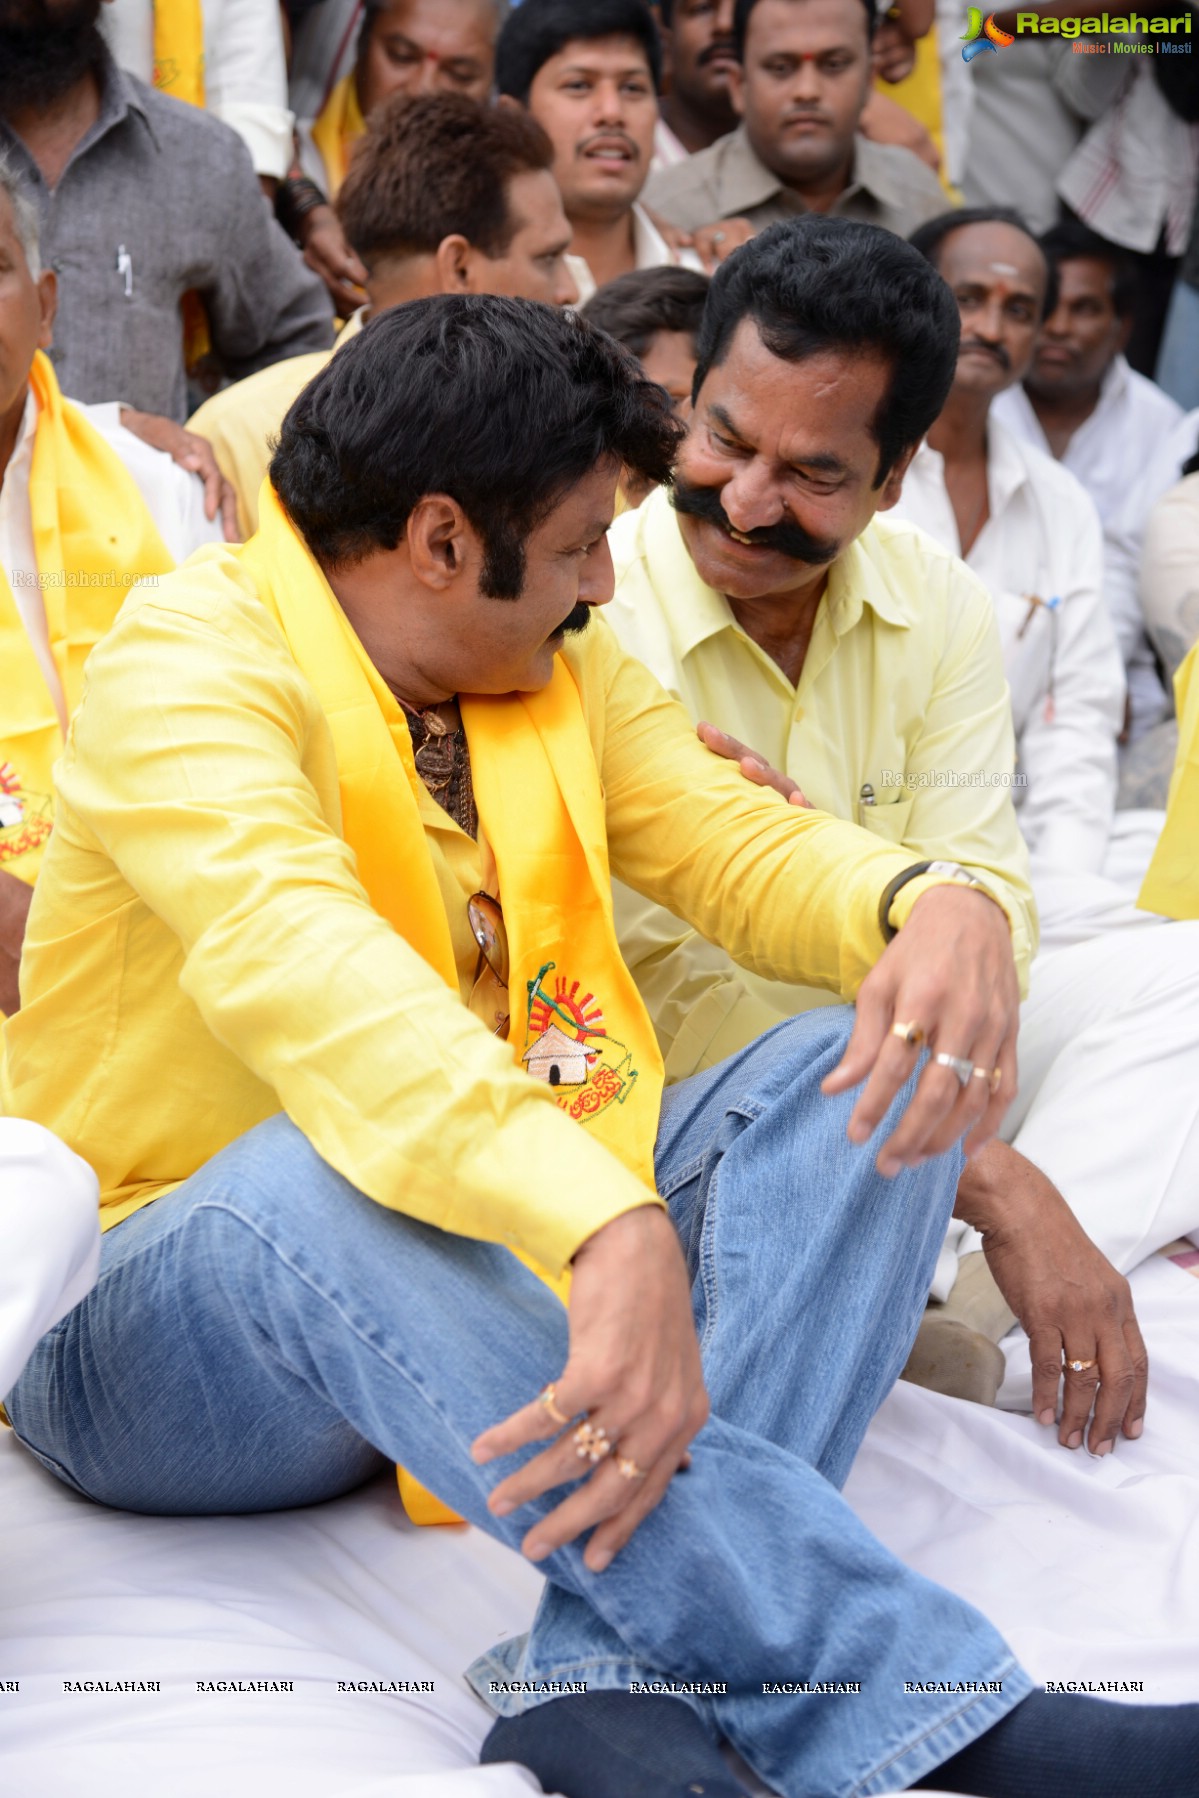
[(569, 1048)]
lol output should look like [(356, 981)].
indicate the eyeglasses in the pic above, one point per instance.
[(489, 995)]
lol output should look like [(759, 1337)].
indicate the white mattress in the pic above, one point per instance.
[(1091, 1569)]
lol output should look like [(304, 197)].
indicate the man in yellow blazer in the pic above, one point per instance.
[(75, 534), (322, 976)]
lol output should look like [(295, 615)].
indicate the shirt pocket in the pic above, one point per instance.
[(888, 817)]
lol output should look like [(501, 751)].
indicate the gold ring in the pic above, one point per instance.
[(628, 1469), (545, 1398), (1077, 1366), (591, 1441), (992, 1076), (911, 1034)]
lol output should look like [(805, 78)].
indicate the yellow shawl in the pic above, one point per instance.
[(1172, 883), (179, 49), (578, 1021), (337, 130), (93, 538)]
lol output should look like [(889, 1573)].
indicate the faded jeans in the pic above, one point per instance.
[(262, 1336)]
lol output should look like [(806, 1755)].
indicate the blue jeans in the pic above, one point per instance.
[(265, 1334)]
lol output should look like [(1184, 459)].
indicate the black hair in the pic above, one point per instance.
[(929, 237), (1070, 240), (814, 283), (745, 7), (635, 307), (503, 404), (432, 166), (539, 29)]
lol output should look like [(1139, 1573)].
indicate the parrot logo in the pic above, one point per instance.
[(983, 35)]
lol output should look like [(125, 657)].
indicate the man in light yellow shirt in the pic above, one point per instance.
[(876, 683), (321, 791), (445, 196)]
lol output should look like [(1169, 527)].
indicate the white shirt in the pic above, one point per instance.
[(245, 73), (650, 250), (667, 148), (174, 499), (1063, 664), (1109, 453), (49, 1238)]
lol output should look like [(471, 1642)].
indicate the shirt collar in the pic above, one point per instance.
[(1113, 386), (1007, 467), (746, 181), (695, 612)]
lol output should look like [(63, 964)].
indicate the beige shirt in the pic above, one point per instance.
[(890, 187)]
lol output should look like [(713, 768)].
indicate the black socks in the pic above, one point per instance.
[(1061, 1745), (615, 1745)]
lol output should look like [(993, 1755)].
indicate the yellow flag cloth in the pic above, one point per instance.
[(578, 1022), (92, 538), (337, 130), (1172, 883), (179, 49)]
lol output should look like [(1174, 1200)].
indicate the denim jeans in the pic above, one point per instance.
[(265, 1334)]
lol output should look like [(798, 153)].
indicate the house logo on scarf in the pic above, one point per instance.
[(568, 1047), (25, 820)]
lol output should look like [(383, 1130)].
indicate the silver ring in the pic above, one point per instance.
[(719, 236), (958, 1064)]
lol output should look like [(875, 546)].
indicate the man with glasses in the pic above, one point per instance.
[(296, 768)]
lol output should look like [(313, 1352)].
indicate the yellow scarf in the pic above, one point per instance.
[(337, 130), (1172, 883), (578, 1021), (179, 49), (93, 538)]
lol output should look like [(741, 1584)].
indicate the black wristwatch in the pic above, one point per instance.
[(948, 871)]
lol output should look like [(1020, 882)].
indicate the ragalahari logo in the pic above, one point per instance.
[(985, 34)]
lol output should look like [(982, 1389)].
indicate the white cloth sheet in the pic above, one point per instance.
[(1088, 1567)]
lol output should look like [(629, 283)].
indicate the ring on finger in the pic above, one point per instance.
[(911, 1034), (546, 1399), (592, 1442), (992, 1076), (960, 1065), (628, 1469), (1077, 1366)]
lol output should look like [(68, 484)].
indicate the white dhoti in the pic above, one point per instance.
[(49, 1238), (1108, 1103)]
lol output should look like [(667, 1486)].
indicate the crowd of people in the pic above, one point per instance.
[(586, 1059)]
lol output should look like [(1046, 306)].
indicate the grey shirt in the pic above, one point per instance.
[(889, 187), (159, 198)]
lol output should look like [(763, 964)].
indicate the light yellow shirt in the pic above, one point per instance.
[(902, 692), (242, 421), (201, 954)]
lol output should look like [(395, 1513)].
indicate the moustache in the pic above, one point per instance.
[(576, 620), (788, 538), (724, 49), (609, 137), (990, 349)]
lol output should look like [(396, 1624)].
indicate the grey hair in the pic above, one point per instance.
[(24, 214)]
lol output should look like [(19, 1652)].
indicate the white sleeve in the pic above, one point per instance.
[(49, 1238), (245, 78), (1067, 748), (174, 498)]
